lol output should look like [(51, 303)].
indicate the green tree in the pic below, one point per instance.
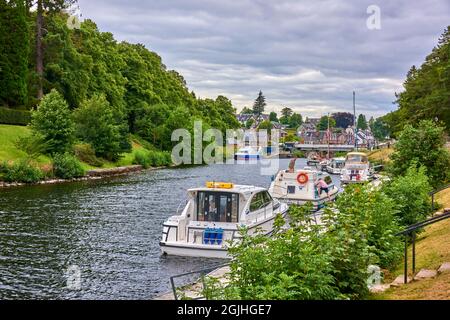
[(53, 121), (246, 110), (410, 195), (287, 112), (273, 117), (343, 119), (260, 104), (426, 90), (14, 39), (98, 126), (362, 122), (326, 121), (296, 120), (380, 129), (423, 145), (265, 125)]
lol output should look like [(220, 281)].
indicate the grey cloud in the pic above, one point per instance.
[(308, 55)]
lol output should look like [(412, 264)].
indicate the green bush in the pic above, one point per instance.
[(66, 166), (152, 158), (141, 158), (410, 195), (14, 117), (21, 171), (53, 121), (34, 145), (100, 125), (86, 153)]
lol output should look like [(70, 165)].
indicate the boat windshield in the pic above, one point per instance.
[(356, 158), (218, 207)]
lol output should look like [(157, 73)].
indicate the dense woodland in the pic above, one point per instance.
[(146, 98), (427, 90)]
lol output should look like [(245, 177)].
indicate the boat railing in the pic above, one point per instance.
[(182, 205)]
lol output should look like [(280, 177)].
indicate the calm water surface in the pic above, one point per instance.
[(110, 229)]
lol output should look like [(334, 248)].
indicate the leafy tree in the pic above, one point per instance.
[(362, 122), (97, 125), (273, 117), (410, 195), (265, 125), (426, 90), (260, 104), (249, 123), (296, 120), (247, 110), (53, 121), (287, 112), (14, 39), (379, 129), (343, 119), (423, 145), (324, 122)]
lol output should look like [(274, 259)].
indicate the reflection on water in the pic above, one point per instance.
[(110, 229)]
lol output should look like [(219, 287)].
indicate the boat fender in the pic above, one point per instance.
[(302, 178)]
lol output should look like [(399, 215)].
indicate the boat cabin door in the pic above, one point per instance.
[(217, 207)]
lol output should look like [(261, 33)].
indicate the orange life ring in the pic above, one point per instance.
[(302, 178)]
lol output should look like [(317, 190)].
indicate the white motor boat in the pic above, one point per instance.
[(248, 153), (214, 216), (357, 169), (299, 187), (336, 165)]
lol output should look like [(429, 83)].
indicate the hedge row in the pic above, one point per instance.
[(14, 117)]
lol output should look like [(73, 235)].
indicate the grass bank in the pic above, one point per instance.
[(10, 152), (432, 249)]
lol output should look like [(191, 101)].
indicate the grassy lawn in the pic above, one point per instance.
[(381, 155), (10, 152), (432, 249)]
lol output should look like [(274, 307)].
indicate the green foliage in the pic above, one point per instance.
[(98, 125), (380, 129), (265, 125), (295, 121), (52, 120), (314, 262), (260, 104), (66, 166), (15, 48), (33, 145), (20, 171), (343, 119), (426, 90), (299, 154), (362, 122), (410, 195), (423, 145), (14, 117), (152, 158), (273, 117), (323, 124), (85, 153)]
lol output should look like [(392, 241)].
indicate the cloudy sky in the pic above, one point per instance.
[(308, 55)]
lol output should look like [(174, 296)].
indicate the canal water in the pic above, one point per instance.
[(108, 231)]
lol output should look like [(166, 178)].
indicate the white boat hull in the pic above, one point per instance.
[(185, 249)]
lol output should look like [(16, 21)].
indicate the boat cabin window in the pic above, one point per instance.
[(356, 158), (260, 201), (218, 207), (291, 189)]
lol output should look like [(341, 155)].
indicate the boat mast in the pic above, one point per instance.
[(355, 130), (329, 136)]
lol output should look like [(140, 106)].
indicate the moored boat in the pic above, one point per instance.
[(301, 186), (357, 168), (214, 216), (336, 165), (248, 153)]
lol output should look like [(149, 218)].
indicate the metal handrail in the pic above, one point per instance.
[(432, 193), (410, 232), (202, 273)]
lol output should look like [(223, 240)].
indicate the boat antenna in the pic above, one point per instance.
[(329, 134), (355, 130)]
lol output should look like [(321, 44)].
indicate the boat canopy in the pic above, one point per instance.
[(357, 157)]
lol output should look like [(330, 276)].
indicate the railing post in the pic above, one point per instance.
[(414, 252), (174, 289), (406, 260), (432, 202)]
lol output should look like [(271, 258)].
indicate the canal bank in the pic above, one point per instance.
[(109, 228)]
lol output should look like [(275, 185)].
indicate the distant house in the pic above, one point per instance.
[(244, 118)]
